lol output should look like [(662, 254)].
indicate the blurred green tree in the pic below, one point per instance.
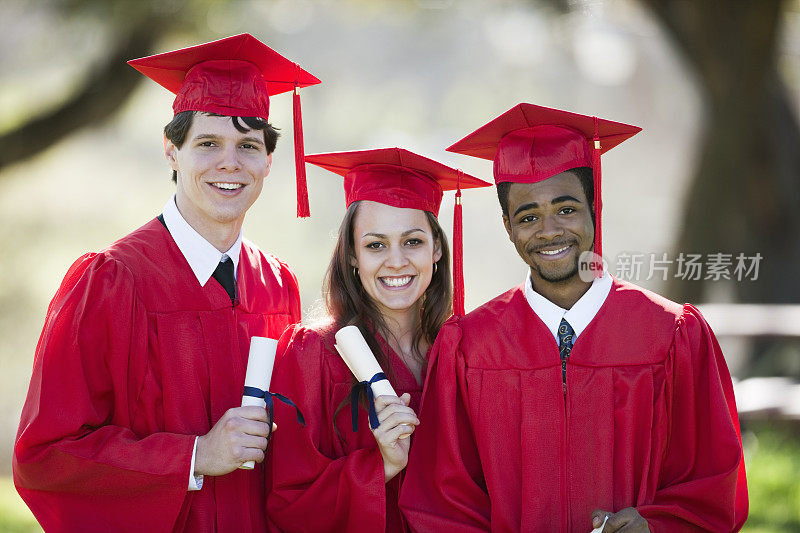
[(135, 28)]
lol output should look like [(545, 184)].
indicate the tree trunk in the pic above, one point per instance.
[(745, 195)]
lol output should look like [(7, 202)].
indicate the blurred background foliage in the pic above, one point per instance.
[(715, 85)]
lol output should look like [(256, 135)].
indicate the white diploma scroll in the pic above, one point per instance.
[(359, 359), (259, 374)]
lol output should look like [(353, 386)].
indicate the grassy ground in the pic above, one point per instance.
[(772, 457), (14, 515), (773, 471)]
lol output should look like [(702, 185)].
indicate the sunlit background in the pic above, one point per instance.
[(420, 75)]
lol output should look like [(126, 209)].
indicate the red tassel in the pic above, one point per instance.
[(458, 255), (597, 175), (303, 209)]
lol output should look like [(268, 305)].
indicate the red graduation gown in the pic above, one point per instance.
[(323, 481), (648, 420), (135, 360)]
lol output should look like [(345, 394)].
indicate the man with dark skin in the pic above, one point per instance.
[(575, 400), (551, 225)]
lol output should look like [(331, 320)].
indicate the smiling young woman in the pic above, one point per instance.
[(390, 276), (398, 262)]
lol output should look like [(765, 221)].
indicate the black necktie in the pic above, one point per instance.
[(565, 338), (224, 274)]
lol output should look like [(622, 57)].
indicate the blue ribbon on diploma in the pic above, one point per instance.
[(267, 396), (366, 386)]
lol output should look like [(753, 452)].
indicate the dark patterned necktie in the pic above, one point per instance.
[(565, 340), (224, 275)]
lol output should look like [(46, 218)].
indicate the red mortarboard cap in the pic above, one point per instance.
[(399, 178), (233, 76), (394, 176), (530, 143)]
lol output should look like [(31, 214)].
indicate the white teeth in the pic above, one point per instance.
[(553, 252), (397, 282), (227, 186)]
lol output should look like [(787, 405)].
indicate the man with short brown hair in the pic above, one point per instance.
[(132, 420)]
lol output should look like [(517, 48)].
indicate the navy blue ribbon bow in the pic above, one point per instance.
[(366, 386), (267, 396)]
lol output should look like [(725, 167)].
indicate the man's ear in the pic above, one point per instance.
[(171, 153), (507, 225), (269, 164)]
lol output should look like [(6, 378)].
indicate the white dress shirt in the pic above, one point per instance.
[(201, 255), (203, 259), (579, 315)]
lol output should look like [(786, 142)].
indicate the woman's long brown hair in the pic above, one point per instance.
[(349, 304)]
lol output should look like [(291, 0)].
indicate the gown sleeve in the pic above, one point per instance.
[(444, 488), (312, 488), (75, 455), (702, 485), (293, 290)]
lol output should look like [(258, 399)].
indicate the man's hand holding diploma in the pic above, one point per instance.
[(242, 434)]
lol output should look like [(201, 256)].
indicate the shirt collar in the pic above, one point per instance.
[(579, 315), (201, 255)]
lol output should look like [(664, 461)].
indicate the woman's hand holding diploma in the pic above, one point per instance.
[(396, 419), (397, 422)]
